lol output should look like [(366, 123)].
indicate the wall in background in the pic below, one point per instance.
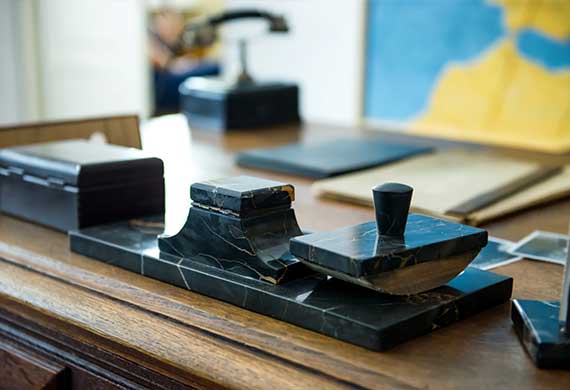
[(64, 59), (75, 59), (9, 92), (92, 57), (323, 52)]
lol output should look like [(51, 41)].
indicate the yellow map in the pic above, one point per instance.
[(517, 92), (552, 17)]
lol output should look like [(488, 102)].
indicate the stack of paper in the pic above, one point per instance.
[(445, 181)]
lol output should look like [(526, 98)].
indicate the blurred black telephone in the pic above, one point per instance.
[(204, 33), (211, 103)]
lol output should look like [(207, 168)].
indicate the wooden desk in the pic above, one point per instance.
[(67, 321)]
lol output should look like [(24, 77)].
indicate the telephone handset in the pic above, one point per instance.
[(204, 33)]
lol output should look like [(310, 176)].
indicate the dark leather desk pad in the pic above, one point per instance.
[(328, 158)]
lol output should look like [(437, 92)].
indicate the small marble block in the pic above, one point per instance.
[(360, 251), (242, 196), (538, 327), (243, 224)]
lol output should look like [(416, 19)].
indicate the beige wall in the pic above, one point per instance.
[(9, 96), (93, 57)]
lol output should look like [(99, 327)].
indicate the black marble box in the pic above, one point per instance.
[(243, 223), (75, 183), (314, 301), (242, 196)]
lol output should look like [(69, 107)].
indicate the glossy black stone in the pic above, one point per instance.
[(391, 207), (359, 250), (539, 329), (242, 195), (326, 305), (258, 246), (242, 223)]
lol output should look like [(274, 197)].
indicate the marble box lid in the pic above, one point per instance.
[(360, 251), (81, 163), (242, 196)]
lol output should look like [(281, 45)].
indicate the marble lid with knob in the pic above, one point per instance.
[(359, 250), (394, 241)]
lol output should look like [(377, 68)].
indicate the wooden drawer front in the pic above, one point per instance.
[(21, 370)]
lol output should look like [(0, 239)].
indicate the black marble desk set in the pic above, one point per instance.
[(393, 280), (376, 284)]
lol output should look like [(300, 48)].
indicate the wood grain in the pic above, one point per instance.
[(23, 370), (146, 330), (161, 340), (118, 130)]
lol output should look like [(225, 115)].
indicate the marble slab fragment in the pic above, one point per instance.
[(242, 196), (538, 327), (313, 301), (359, 250)]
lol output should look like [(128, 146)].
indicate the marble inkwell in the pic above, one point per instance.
[(544, 327), (396, 254), (235, 247), (242, 224)]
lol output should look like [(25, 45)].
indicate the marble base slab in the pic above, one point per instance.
[(326, 305), (538, 327)]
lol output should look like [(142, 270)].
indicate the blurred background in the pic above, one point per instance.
[(65, 59), (476, 69)]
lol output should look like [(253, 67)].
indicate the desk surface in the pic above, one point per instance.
[(145, 329)]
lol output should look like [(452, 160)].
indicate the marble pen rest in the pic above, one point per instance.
[(311, 300)]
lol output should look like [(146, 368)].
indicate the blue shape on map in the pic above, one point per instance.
[(410, 42), (551, 53)]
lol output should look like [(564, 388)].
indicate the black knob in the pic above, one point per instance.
[(391, 205)]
